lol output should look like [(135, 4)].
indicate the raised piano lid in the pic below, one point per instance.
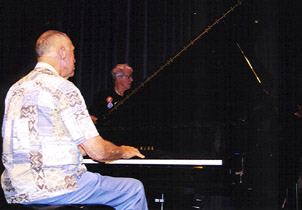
[(196, 107)]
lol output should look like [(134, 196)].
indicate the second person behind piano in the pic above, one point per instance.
[(106, 99)]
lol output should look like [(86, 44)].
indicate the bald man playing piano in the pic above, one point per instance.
[(47, 130)]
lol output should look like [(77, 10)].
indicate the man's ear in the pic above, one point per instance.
[(118, 78), (62, 53)]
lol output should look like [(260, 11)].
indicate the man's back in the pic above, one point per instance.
[(37, 147)]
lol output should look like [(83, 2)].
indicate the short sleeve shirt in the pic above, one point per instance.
[(45, 120)]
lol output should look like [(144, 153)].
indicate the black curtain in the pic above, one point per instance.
[(142, 33)]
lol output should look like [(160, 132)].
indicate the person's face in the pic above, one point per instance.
[(127, 79), (69, 61)]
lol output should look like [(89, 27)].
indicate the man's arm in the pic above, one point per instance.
[(82, 150), (102, 150), (93, 118)]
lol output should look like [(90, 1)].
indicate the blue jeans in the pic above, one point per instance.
[(120, 193)]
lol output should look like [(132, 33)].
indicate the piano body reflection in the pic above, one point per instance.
[(189, 121)]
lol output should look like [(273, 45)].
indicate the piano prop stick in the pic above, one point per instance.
[(249, 63)]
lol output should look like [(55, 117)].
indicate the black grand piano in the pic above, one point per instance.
[(204, 123)]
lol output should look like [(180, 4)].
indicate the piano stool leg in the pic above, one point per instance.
[(161, 201)]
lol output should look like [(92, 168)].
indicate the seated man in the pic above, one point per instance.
[(107, 98), (47, 130)]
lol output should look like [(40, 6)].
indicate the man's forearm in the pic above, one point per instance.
[(109, 151), (102, 150)]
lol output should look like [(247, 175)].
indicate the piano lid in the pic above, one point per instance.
[(186, 110)]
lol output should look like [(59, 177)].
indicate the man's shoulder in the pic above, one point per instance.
[(105, 92), (127, 92), (45, 81)]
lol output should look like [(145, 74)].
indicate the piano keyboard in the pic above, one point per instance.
[(188, 162)]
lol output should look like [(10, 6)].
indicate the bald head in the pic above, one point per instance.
[(55, 48), (48, 41)]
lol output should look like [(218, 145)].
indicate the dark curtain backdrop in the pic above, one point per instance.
[(142, 33)]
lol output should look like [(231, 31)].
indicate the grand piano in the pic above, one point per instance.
[(198, 122)]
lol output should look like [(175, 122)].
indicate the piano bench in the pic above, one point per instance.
[(57, 207)]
